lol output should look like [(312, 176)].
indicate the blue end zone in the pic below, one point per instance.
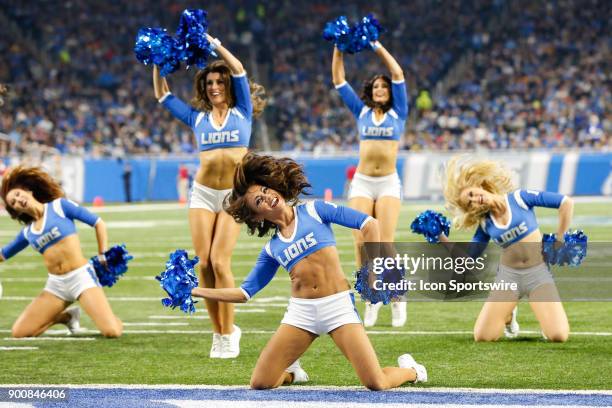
[(135, 397)]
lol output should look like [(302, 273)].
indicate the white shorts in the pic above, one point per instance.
[(321, 316), (375, 187), (69, 286), (526, 279), (207, 198)]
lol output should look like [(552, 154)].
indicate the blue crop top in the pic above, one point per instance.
[(312, 232), (522, 219), (234, 132), (391, 127), (58, 223)]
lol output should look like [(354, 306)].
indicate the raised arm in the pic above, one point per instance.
[(394, 68), (234, 63), (338, 75), (160, 85)]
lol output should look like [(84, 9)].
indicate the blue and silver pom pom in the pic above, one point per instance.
[(365, 33), (369, 294), (117, 258), (193, 47), (431, 224), (156, 46), (178, 280), (571, 253), (352, 39), (338, 32)]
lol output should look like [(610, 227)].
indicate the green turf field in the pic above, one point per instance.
[(153, 350)]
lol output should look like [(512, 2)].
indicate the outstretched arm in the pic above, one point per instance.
[(234, 63), (232, 295), (392, 65), (160, 85), (338, 75)]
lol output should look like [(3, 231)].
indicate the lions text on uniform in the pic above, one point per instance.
[(234, 132)]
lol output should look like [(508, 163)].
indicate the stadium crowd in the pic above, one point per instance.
[(537, 74)]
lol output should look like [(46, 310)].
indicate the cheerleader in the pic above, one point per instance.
[(220, 116), (481, 195), (34, 199), (381, 112), (265, 198)]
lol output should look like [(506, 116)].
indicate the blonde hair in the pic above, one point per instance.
[(462, 173)]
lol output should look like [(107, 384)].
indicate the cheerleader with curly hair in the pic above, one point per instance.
[(481, 195), (34, 199), (220, 116), (265, 198), (381, 112)]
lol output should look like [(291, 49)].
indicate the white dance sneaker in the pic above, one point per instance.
[(371, 314), (74, 324), (406, 361), (398, 314), (299, 375), (215, 349), (230, 343), (512, 329)]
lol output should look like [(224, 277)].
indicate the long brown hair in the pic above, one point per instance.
[(43, 187), (201, 102), (281, 174), (367, 93)]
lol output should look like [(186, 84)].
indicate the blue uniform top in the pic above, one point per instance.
[(312, 232), (391, 127), (234, 132), (58, 223), (522, 220)]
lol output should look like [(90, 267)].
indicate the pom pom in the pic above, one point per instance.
[(431, 224), (178, 280), (571, 253), (369, 294), (338, 33), (117, 258), (156, 46), (353, 39), (193, 47), (365, 32)]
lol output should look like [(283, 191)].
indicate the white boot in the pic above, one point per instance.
[(398, 314), (512, 329), (74, 324), (407, 361), (371, 314), (299, 375)]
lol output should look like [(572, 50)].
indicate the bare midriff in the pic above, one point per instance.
[(217, 167), (318, 275), (64, 256), (377, 158), (525, 253)]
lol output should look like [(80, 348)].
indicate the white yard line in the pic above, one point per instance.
[(408, 390), (48, 338), (372, 332)]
